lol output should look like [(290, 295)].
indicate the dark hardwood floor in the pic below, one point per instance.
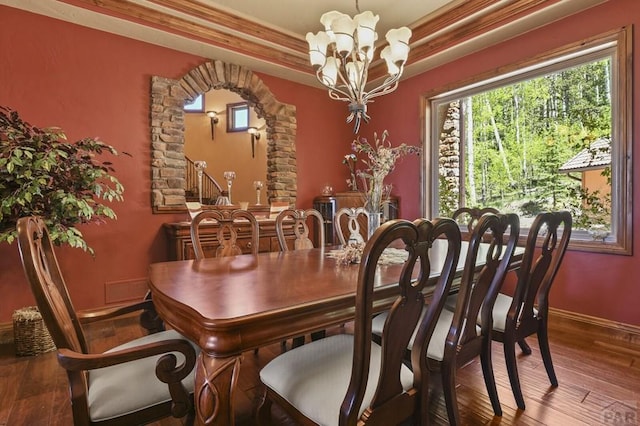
[(599, 383)]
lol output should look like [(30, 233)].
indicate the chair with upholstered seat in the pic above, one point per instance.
[(229, 222), (457, 339), (300, 220), (348, 216), (469, 216), (526, 312), (138, 382), (348, 379)]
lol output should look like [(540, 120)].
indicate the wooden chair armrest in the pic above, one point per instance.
[(76, 361), (116, 311), (149, 318), (167, 369)]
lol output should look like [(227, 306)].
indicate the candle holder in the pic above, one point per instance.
[(258, 184), (200, 165), (229, 176)]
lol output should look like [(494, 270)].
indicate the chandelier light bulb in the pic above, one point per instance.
[(330, 71), (366, 30), (318, 48), (386, 54)]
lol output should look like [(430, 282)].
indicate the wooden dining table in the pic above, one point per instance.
[(230, 305)]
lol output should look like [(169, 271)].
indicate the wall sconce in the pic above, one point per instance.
[(214, 120), (255, 135)]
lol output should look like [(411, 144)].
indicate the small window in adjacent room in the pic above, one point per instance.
[(197, 105), (238, 117)]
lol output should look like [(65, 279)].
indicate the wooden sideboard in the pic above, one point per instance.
[(181, 248)]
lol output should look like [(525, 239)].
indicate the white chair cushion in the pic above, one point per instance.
[(501, 309), (314, 378), (126, 388), (377, 323), (435, 350)]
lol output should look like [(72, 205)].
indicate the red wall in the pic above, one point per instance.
[(92, 83), (606, 286)]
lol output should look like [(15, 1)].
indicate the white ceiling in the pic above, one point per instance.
[(301, 16), (454, 27)]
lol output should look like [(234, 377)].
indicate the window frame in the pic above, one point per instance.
[(619, 41), (232, 119)]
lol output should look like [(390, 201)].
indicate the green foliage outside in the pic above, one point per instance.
[(42, 174), (523, 133)]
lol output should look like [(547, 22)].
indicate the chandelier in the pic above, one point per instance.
[(341, 56)]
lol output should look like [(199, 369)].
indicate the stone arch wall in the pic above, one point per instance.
[(168, 164)]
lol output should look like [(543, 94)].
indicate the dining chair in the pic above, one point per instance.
[(526, 312), (469, 216), (457, 339), (301, 221), (349, 216), (140, 381), (229, 222), (346, 379)]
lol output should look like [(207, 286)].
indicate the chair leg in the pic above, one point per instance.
[(190, 418), (543, 341), (263, 410), (149, 318), (524, 346), (512, 368), (489, 378), (449, 390)]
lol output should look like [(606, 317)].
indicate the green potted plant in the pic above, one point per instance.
[(43, 174)]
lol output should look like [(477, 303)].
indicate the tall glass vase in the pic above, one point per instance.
[(373, 203), (373, 222)]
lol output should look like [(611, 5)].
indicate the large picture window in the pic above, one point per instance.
[(548, 134)]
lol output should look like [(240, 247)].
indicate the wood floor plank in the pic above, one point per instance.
[(597, 379), (11, 374)]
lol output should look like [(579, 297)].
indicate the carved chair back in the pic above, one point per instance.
[(526, 312), (469, 216), (390, 402), (531, 296), (48, 286), (476, 296), (349, 216), (479, 289), (228, 222), (301, 221)]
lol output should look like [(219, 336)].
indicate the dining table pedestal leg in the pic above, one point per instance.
[(215, 382)]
